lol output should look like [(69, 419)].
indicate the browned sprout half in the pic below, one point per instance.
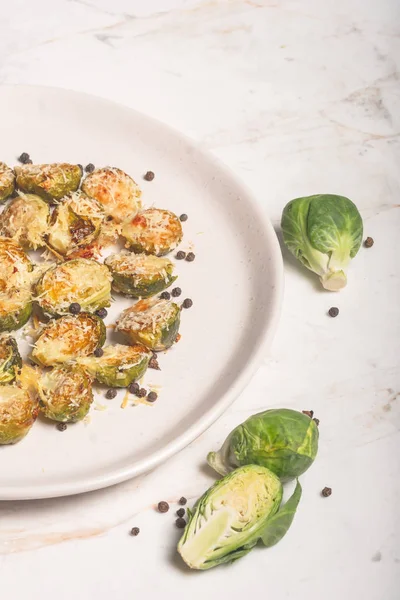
[(115, 190), (18, 412), (65, 394), (153, 231), (25, 219), (7, 182), (50, 181), (15, 286)]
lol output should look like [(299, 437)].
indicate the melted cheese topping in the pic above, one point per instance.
[(115, 190), (25, 219), (6, 175), (16, 405), (146, 315), (139, 266), (155, 230)]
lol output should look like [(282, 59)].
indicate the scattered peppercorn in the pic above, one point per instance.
[(182, 501), (326, 492), (133, 388), (102, 313), (61, 426), (153, 364), (369, 242), (149, 176), (98, 352), (163, 506), (111, 393), (152, 397), (316, 422), (333, 311), (176, 292), (165, 296), (183, 217), (187, 303), (74, 308), (180, 523), (142, 393), (90, 168), (25, 159), (309, 413), (180, 255), (190, 257), (135, 531), (180, 512)]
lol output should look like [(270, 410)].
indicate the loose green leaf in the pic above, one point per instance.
[(279, 524)]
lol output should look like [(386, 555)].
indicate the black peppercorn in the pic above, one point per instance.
[(74, 308), (111, 393), (90, 168), (98, 352)]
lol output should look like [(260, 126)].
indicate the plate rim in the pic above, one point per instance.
[(199, 426)]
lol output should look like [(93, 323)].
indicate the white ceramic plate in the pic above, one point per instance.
[(235, 283)]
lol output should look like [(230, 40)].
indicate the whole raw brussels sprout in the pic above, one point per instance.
[(7, 182), (119, 365), (140, 275), (25, 219), (118, 193), (68, 337), (324, 232), (153, 323), (75, 222), (153, 231), (282, 440), (65, 394), (51, 181), (79, 280), (18, 412), (10, 359), (15, 286)]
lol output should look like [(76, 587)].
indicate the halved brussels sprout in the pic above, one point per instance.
[(50, 182), (7, 182), (140, 275), (18, 412), (75, 223), (119, 365), (15, 286), (153, 231), (26, 219), (230, 518), (118, 193), (65, 394), (10, 359), (68, 337), (153, 323), (15, 310), (79, 280)]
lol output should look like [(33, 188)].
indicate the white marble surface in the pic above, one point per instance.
[(297, 97)]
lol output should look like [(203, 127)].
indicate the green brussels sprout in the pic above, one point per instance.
[(79, 280), (153, 323), (140, 275), (15, 310), (18, 412), (51, 182), (68, 337), (282, 440), (230, 518), (76, 222), (7, 182), (10, 359), (153, 231), (65, 394), (119, 365), (15, 286), (324, 232), (115, 190), (25, 219)]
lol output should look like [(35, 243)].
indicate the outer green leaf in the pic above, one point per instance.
[(279, 524)]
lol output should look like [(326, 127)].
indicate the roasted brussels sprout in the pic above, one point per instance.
[(283, 440), (51, 182), (15, 286), (230, 518), (153, 323), (324, 232), (26, 219), (18, 412), (118, 366), (7, 182), (68, 337), (80, 280), (75, 223), (65, 394), (140, 275), (10, 359), (115, 190), (153, 231)]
